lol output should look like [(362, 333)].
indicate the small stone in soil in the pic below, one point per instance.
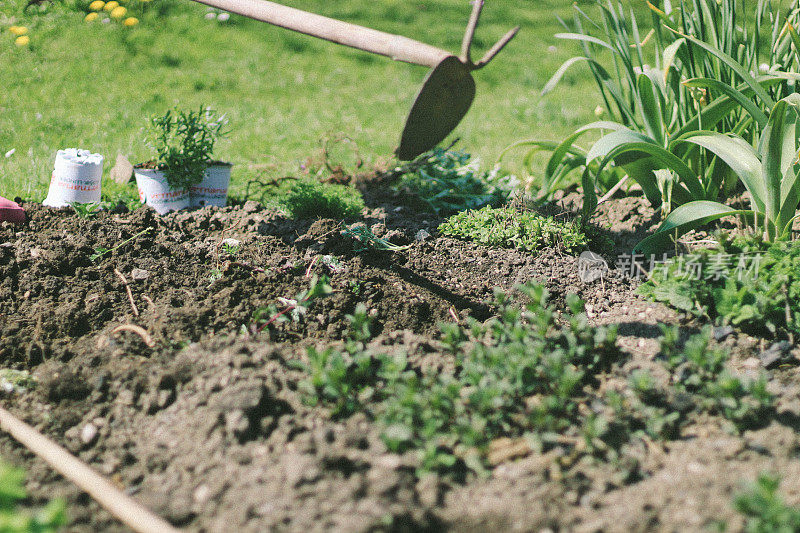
[(722, 332), (775, 354), (139, 274), (422, 235), (88, 433)]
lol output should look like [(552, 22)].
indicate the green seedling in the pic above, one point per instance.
[(12, 380), (764, 508), (367, 240), (49, 519), (449, 418), (347, 380), (355, 287), (704, 381), (214, 275), (230, 249), (86, 210), (100, 251), (292, 308)]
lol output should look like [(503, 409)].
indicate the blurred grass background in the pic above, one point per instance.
[(91, 85)]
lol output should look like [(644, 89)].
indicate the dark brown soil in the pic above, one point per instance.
[(207, 427)]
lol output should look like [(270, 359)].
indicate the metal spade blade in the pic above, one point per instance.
[(444, 99)]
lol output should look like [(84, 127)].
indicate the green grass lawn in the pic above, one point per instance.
[(91, 85)]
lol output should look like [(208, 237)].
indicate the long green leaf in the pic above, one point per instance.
[(626, 142), (720, 108), (585, 38), (670, 52), (650, 109), (556, 78), (735, 66), (748, 105), (738, 155), (771, 156), (686, 218)]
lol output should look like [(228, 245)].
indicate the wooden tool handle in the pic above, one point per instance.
[(394, 46), (118, 504)]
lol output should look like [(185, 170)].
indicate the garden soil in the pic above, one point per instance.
[(200, 418)]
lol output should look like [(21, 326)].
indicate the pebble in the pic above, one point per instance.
[(88, 433), (140, 274), (201, 494), (422, 235), (722, 332), (777, 353)]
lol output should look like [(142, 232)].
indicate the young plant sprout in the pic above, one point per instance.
[(100, 251)]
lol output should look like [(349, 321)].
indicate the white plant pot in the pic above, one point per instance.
[(157, 193), (77, 176), (213, 190)]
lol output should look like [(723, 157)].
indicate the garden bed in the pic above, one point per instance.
[(204, 420)]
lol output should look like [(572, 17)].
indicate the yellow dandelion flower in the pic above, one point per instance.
[(22, 40), (97, 5), (18, 30), (130, 21), (111, 6), (118, 12), (13, 29), (91, 17)]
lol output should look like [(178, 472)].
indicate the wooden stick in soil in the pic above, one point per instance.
[(118, 504)]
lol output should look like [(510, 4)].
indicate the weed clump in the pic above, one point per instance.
[(765, 509), (447, 182), (510, 228), (743, 282), (312, 199)]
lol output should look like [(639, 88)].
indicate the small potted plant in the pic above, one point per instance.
[(183, 143)]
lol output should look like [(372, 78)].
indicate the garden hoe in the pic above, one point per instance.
[(448, 90)]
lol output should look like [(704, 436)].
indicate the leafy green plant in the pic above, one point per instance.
[(12, 380), (292, 308), (743, 282), (764, 508), (367, 240), (13, 520), (230, 249), (704, 376), (345, 380), (521, 373), (86, 210), (447, 182), (517, 373), (771, 176), (511, 228), (183, 142), (312, 199), (704, 56)]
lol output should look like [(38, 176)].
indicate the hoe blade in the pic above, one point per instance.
[(442, 102)]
